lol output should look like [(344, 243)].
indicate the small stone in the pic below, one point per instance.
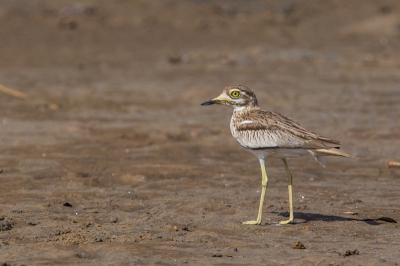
[(349, 253), (5, 226), (67, 204), (298, 245)]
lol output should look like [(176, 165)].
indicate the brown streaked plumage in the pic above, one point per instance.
[(270, 134)]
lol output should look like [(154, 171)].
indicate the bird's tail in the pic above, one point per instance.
[(333, 152)]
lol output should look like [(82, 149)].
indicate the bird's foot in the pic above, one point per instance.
[(290, 221), (258, 222)]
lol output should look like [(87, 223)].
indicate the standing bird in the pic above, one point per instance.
[(270, 134)]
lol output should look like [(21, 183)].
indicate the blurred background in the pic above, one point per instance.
[(322, 63), (110, 106)]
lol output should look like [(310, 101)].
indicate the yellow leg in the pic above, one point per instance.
[(263, 189), (289, 181)]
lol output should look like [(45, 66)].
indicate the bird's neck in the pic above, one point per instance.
[(245, 108)]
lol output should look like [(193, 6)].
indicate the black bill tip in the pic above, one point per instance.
[(208, 102)]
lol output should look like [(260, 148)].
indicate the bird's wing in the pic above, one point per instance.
[(265, 129)]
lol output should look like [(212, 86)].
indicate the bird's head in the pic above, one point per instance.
[(238, 97)]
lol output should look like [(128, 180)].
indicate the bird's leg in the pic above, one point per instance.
[(289, 181), (263, 189)]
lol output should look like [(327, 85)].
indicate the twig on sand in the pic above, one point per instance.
[(394, 164), (14, 93)]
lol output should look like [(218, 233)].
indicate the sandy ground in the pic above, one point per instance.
[(111, 160)]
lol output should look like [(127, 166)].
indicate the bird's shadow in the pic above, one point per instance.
[(305, 217)]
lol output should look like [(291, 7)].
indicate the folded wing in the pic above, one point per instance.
[(266, 129)]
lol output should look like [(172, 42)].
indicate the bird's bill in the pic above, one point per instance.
[(208, 102), (218, 100)]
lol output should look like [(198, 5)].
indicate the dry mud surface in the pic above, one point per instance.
[(111, 160)]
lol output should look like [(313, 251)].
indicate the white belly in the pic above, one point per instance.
[(279, 153)]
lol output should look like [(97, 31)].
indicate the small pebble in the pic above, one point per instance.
[(298, 245)]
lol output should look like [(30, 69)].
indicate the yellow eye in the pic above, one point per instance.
[(235, 94)]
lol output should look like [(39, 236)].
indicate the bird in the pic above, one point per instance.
[(268, 134)]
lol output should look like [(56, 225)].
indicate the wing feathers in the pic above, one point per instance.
[(333, 152), (262, 129)]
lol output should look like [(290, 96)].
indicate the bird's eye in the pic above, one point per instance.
[(235, 94)]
